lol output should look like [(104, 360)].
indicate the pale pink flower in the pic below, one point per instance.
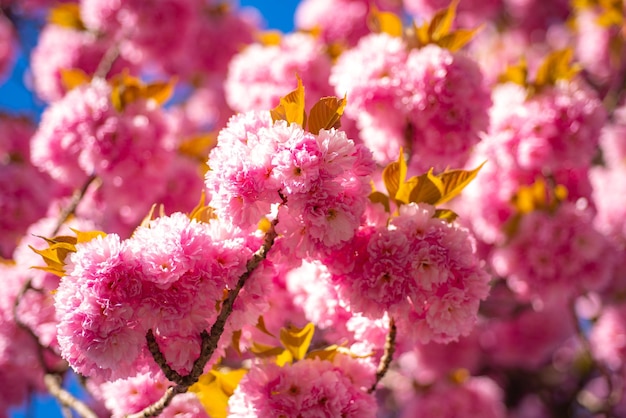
[(308, 388), (476, 397), (260, 75)]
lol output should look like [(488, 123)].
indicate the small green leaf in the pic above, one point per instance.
[(297, 340)]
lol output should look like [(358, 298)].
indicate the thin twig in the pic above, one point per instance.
[(209, 340), (71, 208), (107, 61), (385, 360), (53, 384)]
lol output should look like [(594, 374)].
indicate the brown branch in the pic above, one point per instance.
[(157, 355), (614, 393), (107, 61), (71, 208), (53, 384), (385, 361), (209, 340)]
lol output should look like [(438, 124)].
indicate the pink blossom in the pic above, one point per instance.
[(260, 75), (83, 134), (321, 15), (308, 388), (527, 339), (469, 13), (476, 397), (550, 253), (421, 270), (153, 30), (608, 337), (60, 48), (126, 396), (413, 99), (554, 130), (7, 46), (99, 331)]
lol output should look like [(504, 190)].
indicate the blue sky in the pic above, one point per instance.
[(16, 98)]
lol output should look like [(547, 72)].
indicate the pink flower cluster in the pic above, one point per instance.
[(25, 190), (169, 277), (307, 388), (261, 74), (422, 270), (60, 48), (321, 181), (7, 45), (84, 134), (555, 253), (429, 101)]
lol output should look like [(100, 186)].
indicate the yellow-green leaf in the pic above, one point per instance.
[(291, 107), (235, 340), (260, 325), (87, 236), (263, 351), (54, 256), (428, 189), (326, 114), (66, 15), (284, 358), (458, 39), (270, 37), (394, 175), (74, 77), (202, 212), (441, 23), (127, 89), (446, 214), (297, 340), (159, 91), (326, 354), (198, 147), (385, 22), (213, 389), (556, 66), (454, 181), (383, 199), (517, 73)]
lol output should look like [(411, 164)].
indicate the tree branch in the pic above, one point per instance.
[(385, 361), (209, 339), (53, 384)]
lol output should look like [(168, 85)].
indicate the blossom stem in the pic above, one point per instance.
[(385, 361), (209, 339)]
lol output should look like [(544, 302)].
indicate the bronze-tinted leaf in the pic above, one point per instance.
[(291, 107), (384, 22), (326, 114), (454, 181)]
